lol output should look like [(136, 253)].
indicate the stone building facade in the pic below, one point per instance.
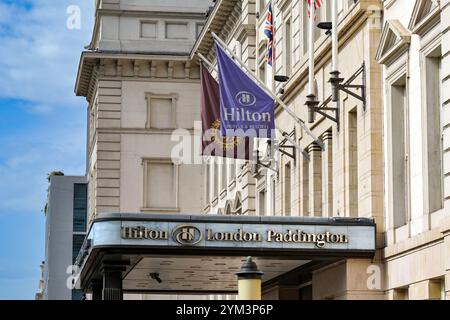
[(389, 159), (345, 179), (413, 51), (385, 162), (140, 85)]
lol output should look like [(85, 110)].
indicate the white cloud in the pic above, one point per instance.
[(39, 53)]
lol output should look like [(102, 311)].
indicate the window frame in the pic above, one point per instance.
[(146, 162), (173, 118)]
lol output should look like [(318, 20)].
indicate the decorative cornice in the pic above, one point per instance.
[(327, 135), (313, 147), (245, 30), (216, 21), (140, 66)]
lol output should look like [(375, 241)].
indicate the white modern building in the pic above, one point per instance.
[(65, 230)]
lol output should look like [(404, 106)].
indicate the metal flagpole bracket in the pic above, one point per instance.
[(267, 161), (335, 82), (337, 86), (286, 147)]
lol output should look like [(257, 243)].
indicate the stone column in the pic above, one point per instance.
[(112, 282)]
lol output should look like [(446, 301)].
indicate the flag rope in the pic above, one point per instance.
[(268, 91), (283, 133)]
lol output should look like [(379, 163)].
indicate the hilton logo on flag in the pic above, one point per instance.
[(246, 99)]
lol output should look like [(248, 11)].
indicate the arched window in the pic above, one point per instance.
[(228, 210), (237, 205)]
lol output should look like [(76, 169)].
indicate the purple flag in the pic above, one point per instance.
[(213, 143), (246, 110)]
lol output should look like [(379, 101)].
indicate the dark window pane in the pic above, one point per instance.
[(77, 294), (79, 203), (80, 190), (80, 208), (77, 242)]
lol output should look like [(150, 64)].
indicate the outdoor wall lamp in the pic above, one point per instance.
[(325, 26), (280, 78)]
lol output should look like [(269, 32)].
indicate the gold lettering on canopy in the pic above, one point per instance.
[(185, 235)]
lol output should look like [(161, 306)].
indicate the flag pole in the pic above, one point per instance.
[(311, 101), (274, 57), (335, 80), (312, 12), (268, 91), (334, 35), (283, 133), (203, 58)]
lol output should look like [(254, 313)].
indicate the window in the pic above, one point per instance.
[(238, 49), (79, 207), (327, 138), (434, 136), (262, 202), (232, 170), (77, 242), (262, 73), (238, 206), (287, 189), (177, 30), (305, 187), (228, 210), (315, 177), (400, 294), (199, 28), (273, 196), (262, 6), (207, 183), (399, 151), (161, 111), (353, 162), (288, 47), (262, 63), (160, 185), (149, 29), (216, 178), (224, 174), (77, 294)]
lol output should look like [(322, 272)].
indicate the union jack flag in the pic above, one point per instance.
[(268, 31), (317, 5)]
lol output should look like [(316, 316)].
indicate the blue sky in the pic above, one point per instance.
[(42, 126)]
